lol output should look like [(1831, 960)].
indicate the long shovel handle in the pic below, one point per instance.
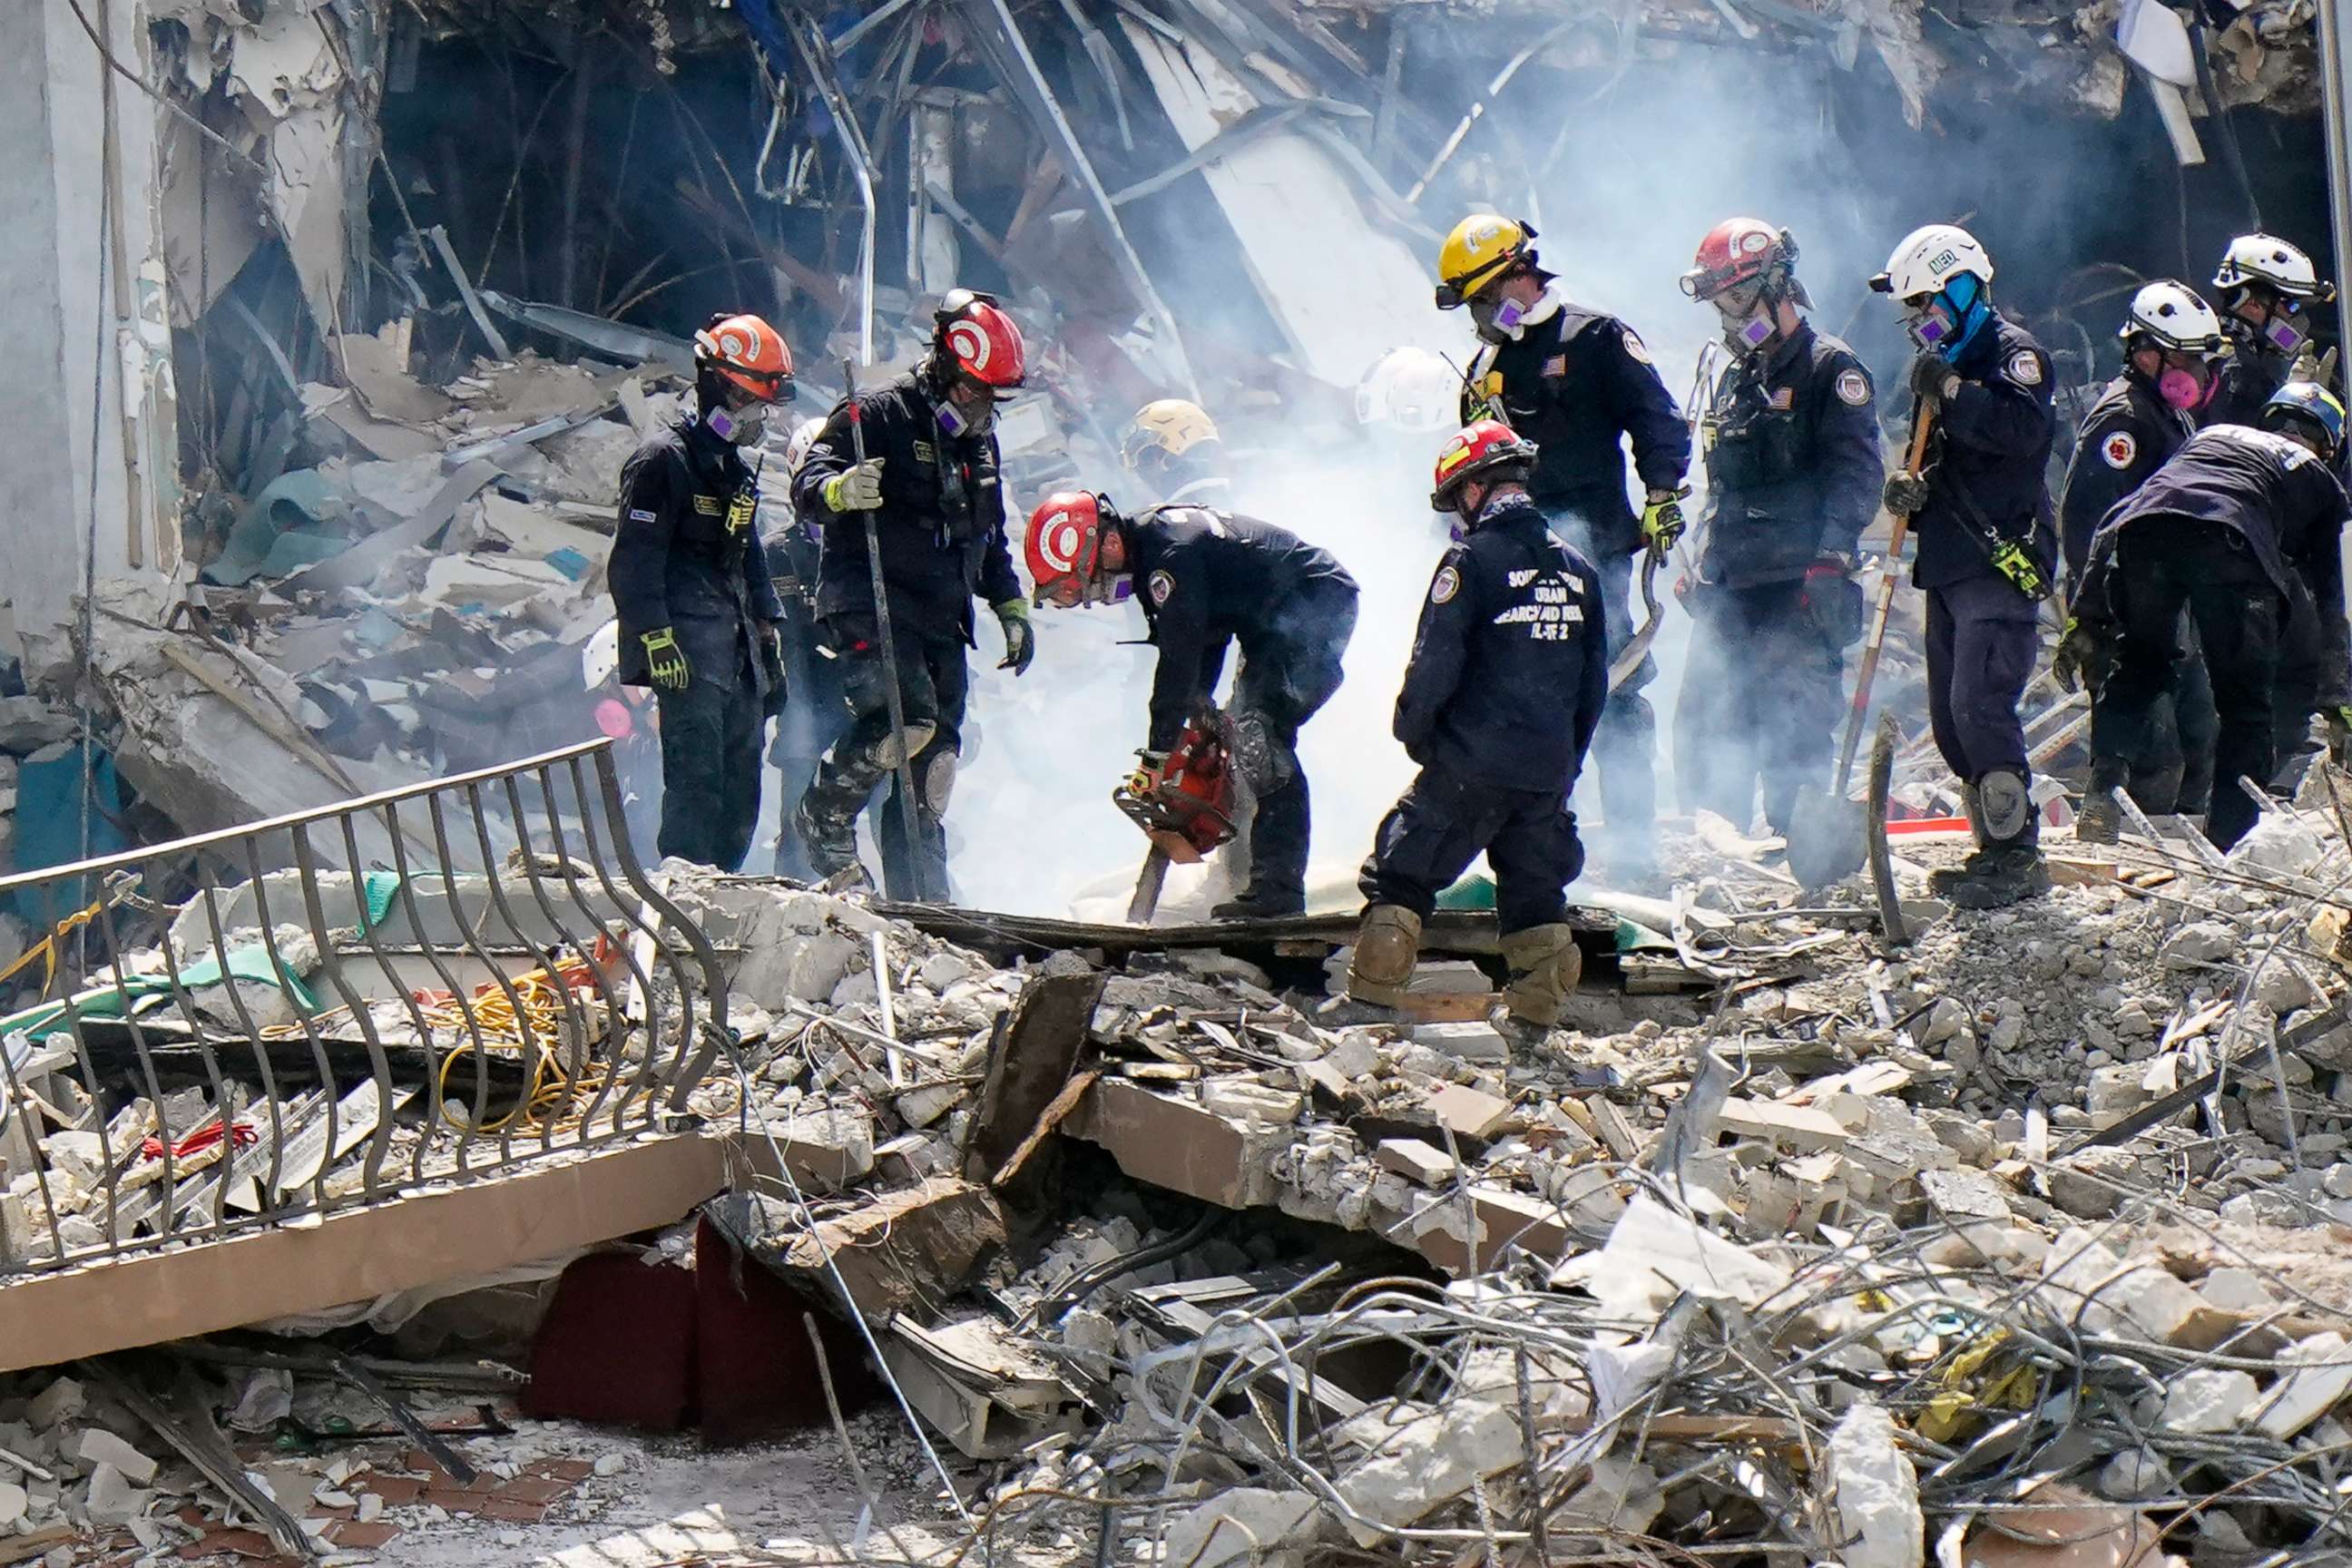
[(1923, 423)]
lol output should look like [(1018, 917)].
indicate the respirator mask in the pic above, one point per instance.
[(743, 426)]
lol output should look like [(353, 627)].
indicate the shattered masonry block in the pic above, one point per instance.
[(2301, 1397), (60, 1401), (1432, 1461), (2205, 1400), (1244, 1524), (1247, 1102), (99, 1445), (1422, 1162), (1800, 1128), (1480, 1044), (1875, 1493)]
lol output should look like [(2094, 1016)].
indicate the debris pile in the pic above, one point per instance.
[(2016, 1239)]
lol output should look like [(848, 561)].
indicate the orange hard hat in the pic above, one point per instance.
[(746, 353)]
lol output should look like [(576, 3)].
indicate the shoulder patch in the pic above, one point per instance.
[(1555, 366), (1444, 585), (2025, 368), (2119, 449), (639, 514), (1853, 388), (1636, 349), (710, 506), (1160, 586), (925, 452)]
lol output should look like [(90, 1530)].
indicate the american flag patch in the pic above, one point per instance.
[(1784, 398), (1556, 366)]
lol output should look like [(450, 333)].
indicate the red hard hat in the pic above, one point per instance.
[(1735, 251), (1488, 444), (975, 332), (1065, 546), (748, 352)]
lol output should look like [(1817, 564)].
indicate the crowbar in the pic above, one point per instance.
[(1637, 647)]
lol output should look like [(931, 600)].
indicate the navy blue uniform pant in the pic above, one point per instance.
[(1981, 645), (1288, 672), (710, 769), (2162, 565), (1444, 821)]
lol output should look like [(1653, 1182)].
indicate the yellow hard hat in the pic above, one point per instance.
[(1169, 427), (1476, 252)]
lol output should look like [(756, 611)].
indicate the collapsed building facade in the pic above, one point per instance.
[(346, 1024)]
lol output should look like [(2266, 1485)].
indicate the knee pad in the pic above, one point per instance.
[(1266, 761), (1387, 944), (2004, 804), (885, 750), (935, 781)]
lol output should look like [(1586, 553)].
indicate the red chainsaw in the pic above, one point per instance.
[(1188, 813)]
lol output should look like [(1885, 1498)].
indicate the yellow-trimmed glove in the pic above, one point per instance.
[(1020, 636), (855, 489), (1662, 518), (664, 660), (2082, 656)]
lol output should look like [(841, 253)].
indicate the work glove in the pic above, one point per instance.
[(1932, 380), (1150, 768), (1833, 601), (1906, 493), (1662, 518), (2082, 656), (2340, 738), (1020, 636), (856, 489), (2024, 573), (2312, 365), (664, 660)]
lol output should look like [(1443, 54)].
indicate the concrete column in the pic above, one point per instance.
[(82, 308)]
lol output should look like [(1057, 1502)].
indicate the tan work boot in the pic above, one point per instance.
[(1545, 965), (1387, 944)]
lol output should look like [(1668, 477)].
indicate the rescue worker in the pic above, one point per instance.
[(929, 486), (1173, 446), (1987, 546), (691, 586), (2238, 523), (2267, 288), (813, 722), (1500, 703), (2171, 342), (1793, 477), (1206, 580), (1576, 383)]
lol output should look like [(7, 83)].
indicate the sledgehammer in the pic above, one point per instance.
[(1826, 833)]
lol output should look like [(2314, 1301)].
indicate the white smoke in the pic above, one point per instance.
[(1672, 152)]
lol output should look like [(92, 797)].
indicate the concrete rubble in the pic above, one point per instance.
[(1860, 1253)]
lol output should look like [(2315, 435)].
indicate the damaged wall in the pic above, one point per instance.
[(83, 281)]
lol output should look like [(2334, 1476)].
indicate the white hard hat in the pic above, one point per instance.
[(2175, 317), (1410, 389), (2266, 258), (600, 655), (1928, 258), (796, 450)]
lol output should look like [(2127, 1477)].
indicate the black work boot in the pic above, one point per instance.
[(2101, 820), (826, 824), (1261, 904), (1941, 882), (2009, 866)]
